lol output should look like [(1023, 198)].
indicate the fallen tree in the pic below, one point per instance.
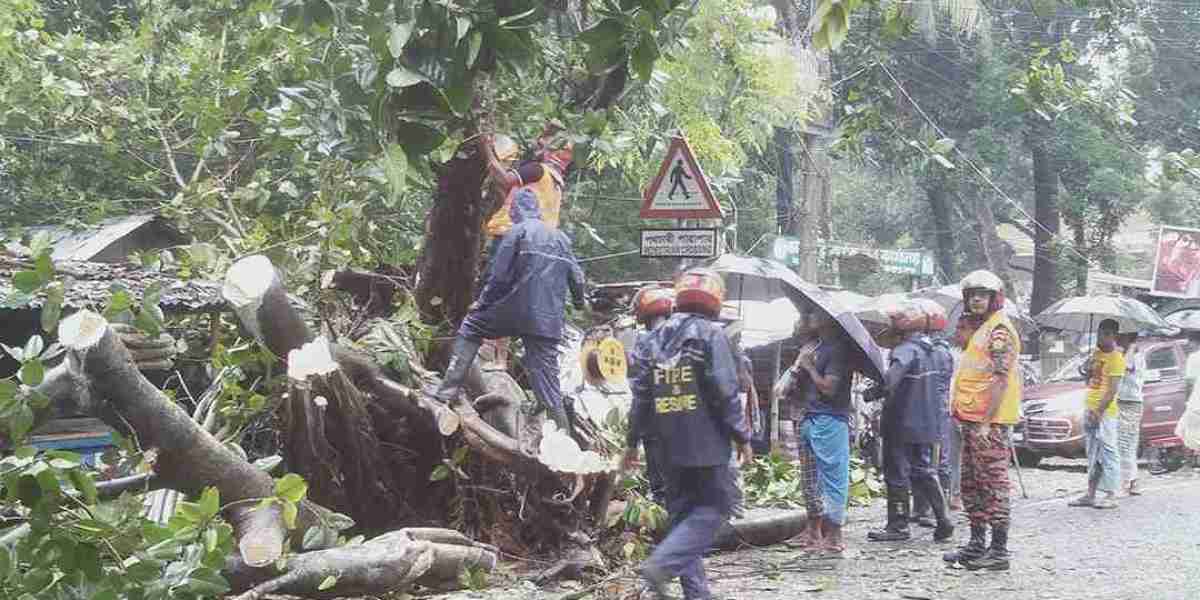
[(100, 374), (392, 562), (554, 483)]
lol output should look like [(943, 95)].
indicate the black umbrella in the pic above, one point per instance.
[(762, 279)]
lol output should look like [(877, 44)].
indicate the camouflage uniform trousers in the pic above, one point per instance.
[(985, 488)]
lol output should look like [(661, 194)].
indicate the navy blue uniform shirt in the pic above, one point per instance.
[(685, 393)]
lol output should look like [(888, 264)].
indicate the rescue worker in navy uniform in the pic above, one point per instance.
[(943, 362), (685, 391), (652, 306), (912, 422), (530, 275)]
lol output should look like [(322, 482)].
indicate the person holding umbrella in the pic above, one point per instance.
[(825, 430), (985, 397), (1129, 405), (1104, 371)]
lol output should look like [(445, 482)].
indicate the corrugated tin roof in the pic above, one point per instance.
[(89, 285), (85, 244)]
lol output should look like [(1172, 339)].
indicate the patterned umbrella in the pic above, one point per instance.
[(1084, 313), (762, 279)]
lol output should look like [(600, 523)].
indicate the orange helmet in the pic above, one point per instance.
[(935, 315), (653, 301), (700, 291)]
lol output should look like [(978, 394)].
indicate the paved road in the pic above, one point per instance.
[(1148, 548)]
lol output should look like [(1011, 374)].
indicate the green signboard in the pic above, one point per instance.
[(906, 262)]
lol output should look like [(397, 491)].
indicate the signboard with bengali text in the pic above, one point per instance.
[(678, 243)]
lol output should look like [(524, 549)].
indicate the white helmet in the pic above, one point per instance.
[(982, 280)]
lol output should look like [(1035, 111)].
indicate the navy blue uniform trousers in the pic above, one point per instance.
[(903, 463), (697, 500)]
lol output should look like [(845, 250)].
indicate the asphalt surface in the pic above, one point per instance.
[(1147, 548)]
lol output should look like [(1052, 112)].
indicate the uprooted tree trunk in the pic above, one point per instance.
[(100, 375), (446, 286), (554, 487), (392, 562)]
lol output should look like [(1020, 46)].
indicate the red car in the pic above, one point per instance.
[(1053, 412)]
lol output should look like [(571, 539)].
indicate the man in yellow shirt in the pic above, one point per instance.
[(1101, 423)]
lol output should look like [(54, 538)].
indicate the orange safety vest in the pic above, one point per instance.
[(971, 392), (548, 190)]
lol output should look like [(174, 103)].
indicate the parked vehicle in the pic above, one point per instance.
[(1053, 412)]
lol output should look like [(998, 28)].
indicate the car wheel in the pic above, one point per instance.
[(1028, 458)]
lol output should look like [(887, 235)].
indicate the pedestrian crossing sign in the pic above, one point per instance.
[(680, 190)]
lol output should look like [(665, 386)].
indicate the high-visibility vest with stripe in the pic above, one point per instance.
[(972, 389), (548, 190)]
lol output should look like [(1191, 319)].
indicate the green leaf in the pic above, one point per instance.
[(439, 473), (26, 281), (327, 583), (85, 484), (514, 18), (643, 57), (942, 160), (8, 389), (291, 487), (943, 145), (398, 37), (118, 303), (32, 372), (395, 167), (206, 583), (53, 307), (464, 25), (210, 502), (34, 347), (190, 512), (44, 267), (473, 48), (290, 511), (20, 423), (148, 322), (400, 77)]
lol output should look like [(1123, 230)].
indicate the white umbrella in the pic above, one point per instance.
[(1084, 313), (1188, 318)]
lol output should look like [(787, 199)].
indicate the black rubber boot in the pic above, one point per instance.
[(897, 520), (921, 513), (973, 550), (931, 491), (997, 556), (461, 358)]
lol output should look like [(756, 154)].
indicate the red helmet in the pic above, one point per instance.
[(906, 316), (652, 302), (935, 315), (700, 291)]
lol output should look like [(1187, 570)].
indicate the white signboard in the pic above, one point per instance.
[(679, 243), (680, 190)]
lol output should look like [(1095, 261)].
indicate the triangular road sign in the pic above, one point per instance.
[(680, 190)]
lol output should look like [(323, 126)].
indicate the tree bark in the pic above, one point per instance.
[(1081, 266), (392, 562), (1046, 287), (939, 203), (993, 248), (453, 238), (189, 459), (760, 531)]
